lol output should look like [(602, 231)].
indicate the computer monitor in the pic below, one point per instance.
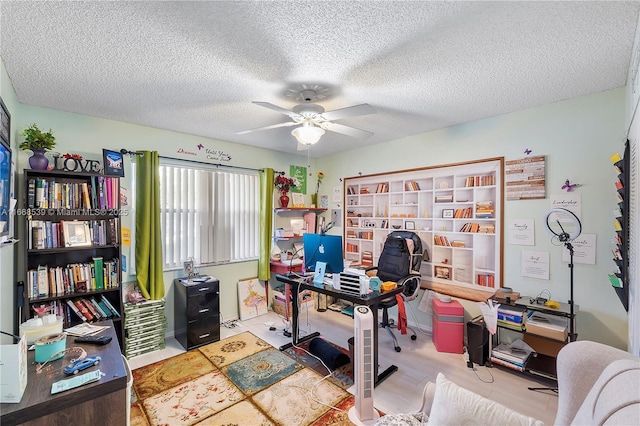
[(323, 248)]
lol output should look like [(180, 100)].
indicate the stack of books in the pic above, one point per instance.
[(484, 209), (512, 317), (514, 357)]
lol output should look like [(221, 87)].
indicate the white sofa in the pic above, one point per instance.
[(597, 385)]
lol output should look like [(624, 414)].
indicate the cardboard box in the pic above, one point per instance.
[(542, 345), (13, 371)]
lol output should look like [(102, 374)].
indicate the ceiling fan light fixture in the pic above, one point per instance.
[(307, 134)]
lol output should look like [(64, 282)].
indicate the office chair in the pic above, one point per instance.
[(399, 262)]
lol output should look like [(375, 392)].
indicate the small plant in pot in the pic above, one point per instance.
[(38, 142)]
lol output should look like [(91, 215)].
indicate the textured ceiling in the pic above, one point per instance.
[(195, 67)]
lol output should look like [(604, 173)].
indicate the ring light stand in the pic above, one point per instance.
[(554, 220)]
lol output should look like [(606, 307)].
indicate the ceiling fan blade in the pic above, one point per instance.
[(346, 130), (352, 111), (273, 126), (277, 108)]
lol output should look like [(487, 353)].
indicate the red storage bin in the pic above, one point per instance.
[(448, 326)]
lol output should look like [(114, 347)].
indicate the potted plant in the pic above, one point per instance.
[(284, 184), (38, 142)]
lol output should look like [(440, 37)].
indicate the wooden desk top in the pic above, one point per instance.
[(37, 400)]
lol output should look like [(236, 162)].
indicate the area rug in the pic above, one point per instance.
[(241, 380)]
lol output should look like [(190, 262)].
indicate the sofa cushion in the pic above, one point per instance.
[(453, 405), (614, 399)]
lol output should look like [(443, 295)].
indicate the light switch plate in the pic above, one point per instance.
[(336, 217)]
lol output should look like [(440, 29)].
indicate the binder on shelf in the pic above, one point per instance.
[(98, 272)]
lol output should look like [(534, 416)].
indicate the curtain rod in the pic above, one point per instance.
[(216, 164)]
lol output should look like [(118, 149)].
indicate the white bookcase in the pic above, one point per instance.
[(456, 210)]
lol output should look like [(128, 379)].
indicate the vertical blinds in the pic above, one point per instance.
[(209, 216)]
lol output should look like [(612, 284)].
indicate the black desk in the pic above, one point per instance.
[(372, 300)]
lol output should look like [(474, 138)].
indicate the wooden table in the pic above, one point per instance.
[(98, 403)]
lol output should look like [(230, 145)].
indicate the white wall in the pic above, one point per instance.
[(577, 137)]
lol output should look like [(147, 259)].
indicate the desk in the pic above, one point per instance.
[(98, 403), (372, 300)]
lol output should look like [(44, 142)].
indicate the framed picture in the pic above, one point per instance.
[(410, 225), (447, 213), (5, 123), (384, 224), (188, 269), (297, 199), (443, 272), (252, 298), (76, 233), (113, 164)]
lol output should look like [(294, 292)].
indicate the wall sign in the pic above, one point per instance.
[(525, 178)]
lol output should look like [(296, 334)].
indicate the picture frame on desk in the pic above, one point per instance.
[(410, 225), (297, 199), (76, 233)]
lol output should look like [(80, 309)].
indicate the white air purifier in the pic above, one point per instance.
[(363, 413)]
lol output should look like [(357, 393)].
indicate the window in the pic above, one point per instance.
[(208, 215)]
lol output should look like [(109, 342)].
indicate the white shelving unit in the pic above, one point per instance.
[(455, 209)]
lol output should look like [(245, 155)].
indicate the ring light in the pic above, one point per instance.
[(564, 224)]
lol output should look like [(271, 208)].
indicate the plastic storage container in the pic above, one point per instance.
[(35, 328), (448, 326)]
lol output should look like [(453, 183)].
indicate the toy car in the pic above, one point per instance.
[(80, 365)]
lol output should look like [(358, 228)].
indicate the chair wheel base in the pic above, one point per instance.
[(398, 348)]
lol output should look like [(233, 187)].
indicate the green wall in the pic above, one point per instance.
[(576, 136)]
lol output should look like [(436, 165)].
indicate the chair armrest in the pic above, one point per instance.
[(427, 398), (579, 364)]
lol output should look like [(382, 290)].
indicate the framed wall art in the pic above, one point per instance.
[(5, 124), (113, 163)]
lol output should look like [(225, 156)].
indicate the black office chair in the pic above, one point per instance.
[(400, 263)]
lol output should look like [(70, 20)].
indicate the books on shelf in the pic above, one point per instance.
[(411, 186), (100, 193), (484, 209), (486, 180), (47, 234), (47, 281), (444, 199), (512, 317), (513, 355), (475, 227)]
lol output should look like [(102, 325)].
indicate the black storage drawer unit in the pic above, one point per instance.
[(197, 312)]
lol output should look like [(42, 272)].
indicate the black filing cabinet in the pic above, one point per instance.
[(197, 311)]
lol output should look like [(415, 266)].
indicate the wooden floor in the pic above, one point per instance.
[(419, 362)]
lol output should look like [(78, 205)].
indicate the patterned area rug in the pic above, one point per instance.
[(241, 380)]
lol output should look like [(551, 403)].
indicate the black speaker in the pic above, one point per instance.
[(478, 341)]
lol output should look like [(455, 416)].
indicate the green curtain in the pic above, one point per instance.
[(148, 239), (266, 223)]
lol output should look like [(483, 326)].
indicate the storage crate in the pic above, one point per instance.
[(448, 326)]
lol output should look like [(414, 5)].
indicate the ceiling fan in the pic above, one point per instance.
[(314, 120)]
